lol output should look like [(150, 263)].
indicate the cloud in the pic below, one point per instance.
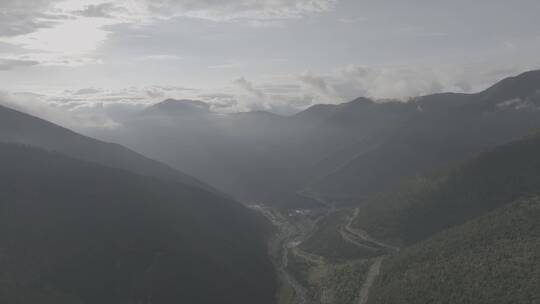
[(59, 29), (71, 37), (231, 10), (89, 109), (220, 102), (249, 87), (391, 82), (288, 94), (8, 64), (23, 17), (36, 105), (281, 95), (86, 113), (405, 82), (87, 91), (318, 89), (51, 59), (316, 82), (60, 32), (102, 10), (155, 93)]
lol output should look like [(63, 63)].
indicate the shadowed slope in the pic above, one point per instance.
[(77, 232)]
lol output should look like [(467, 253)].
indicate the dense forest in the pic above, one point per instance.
[(491, 259), (449, 196), (468, 232), (117, 237)]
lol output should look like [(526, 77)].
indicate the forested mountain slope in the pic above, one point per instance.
[(468, 232), (491, 259), (432, 202), (77, 232), (446, 128), (339, 153), (260, 156)]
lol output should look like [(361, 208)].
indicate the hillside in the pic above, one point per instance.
[(230, 151), (339, 153), (77, 232), (469, 233), (432, 202), (492, 259), (446, 128), (18, 127)]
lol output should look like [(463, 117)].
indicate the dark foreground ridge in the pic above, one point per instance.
[(78, 232)]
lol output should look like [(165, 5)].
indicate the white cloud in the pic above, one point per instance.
[(282, 95), (71, 37), (248, 87), (87, 108), (211, 50), (35, 104), (77, 28), (8, 64), (316, 82), (46, 59), (52, 32), (230, 10), (403, 82), (87, 91), (21, 17), (101, 10), (392, 82)]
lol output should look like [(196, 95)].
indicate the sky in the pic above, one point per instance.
[(100, 60)]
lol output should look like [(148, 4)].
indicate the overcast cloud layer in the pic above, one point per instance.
[(97, 61)]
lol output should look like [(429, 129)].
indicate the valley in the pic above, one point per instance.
[(290, 231), (363, 202), (269, 152), (307, 278)]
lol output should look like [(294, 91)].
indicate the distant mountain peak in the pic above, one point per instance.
[(179, 107), (361, 101), (521, 86), (325, 111), (175, 102), (518, 92)]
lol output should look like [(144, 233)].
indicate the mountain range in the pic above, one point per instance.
[(465, 232), (432, 200), (330, 153)]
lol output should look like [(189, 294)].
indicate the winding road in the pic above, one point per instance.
[(349, 233), (363, 239), (290, 235), (288, 238)]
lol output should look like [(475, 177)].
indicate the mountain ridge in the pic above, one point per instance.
[(118, 237), (19, 127)]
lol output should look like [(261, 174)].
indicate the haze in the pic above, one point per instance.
[(269, 151), (97, 61)]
